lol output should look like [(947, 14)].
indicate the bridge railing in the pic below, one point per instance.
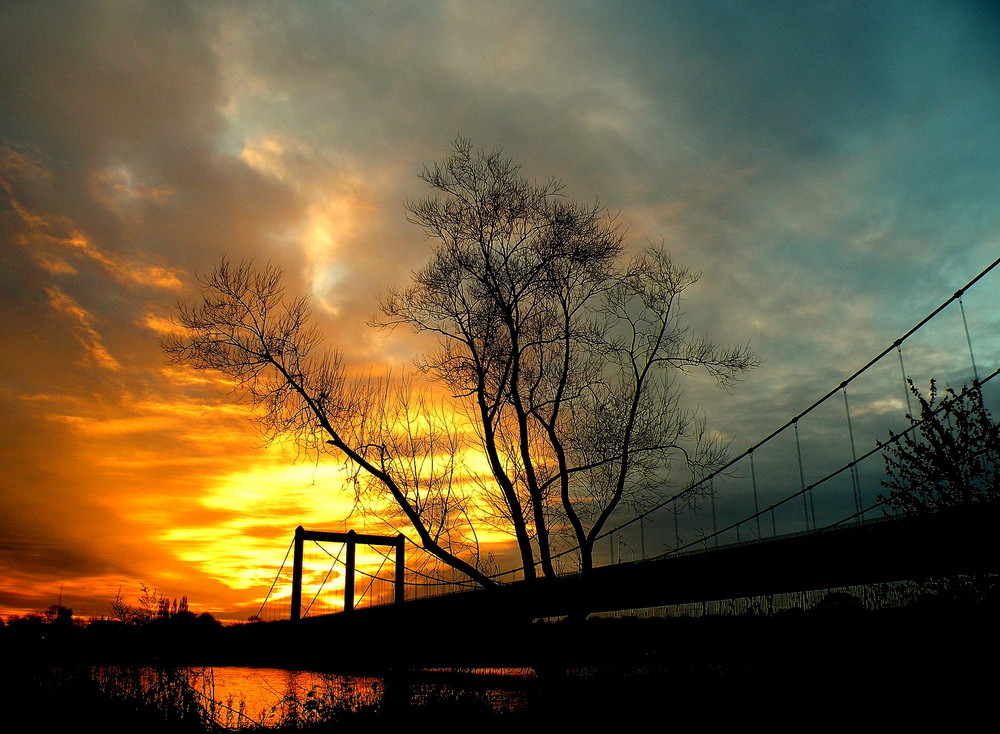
[(824, 465)]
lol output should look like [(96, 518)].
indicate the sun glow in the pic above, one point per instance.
[(254, 513)]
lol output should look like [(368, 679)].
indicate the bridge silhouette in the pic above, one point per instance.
[(798, 510)]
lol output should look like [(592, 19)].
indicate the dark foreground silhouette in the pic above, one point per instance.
[(933, 657)]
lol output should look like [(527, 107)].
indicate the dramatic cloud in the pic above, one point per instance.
[(831, 168)]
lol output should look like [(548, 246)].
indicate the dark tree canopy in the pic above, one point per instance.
[(950, 457)]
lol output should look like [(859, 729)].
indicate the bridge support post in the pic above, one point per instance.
[(349, 578), (350, 539), (400, 585), (297, 574)]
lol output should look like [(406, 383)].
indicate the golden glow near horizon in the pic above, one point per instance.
[(185, 472), (241, 550)]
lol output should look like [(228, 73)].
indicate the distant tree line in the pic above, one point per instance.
[(157, 628)]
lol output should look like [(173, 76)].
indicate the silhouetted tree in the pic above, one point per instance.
[(152, 606), (58, 614), (123, 612), (950, 457), (394, 439), (559, 350)]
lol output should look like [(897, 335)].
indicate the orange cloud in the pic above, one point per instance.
[(50, 238), (160, 324), (86, 332), (122, 270)]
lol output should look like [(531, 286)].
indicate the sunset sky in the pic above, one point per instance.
[(832, 168)]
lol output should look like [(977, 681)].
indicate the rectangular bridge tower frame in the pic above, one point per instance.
[(351, 540)]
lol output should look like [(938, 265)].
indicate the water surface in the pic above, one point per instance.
[(270, 695)]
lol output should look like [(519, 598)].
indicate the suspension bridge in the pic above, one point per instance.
[(799, 510)]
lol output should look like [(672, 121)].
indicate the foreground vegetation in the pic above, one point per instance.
[(929, 655)]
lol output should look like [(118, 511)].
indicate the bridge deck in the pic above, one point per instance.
[(960, 541)]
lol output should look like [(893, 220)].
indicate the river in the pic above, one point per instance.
[(268, 696)]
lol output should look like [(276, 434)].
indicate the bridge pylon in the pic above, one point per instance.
[(351, 540)]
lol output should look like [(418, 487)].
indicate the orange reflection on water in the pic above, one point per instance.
[(268, 696)]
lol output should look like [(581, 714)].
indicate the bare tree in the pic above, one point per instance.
[(246, 329), (559, 350), (562, 351)]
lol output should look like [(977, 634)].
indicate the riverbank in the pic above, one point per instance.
[(927, 659)]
